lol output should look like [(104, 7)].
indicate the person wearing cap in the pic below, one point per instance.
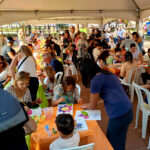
[(8, 52)]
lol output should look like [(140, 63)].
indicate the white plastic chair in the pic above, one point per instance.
[(58, 78), (73, 70), (84, 147), (79, 88), (60, 85), (145, 108), (148, 144), (129, 84)]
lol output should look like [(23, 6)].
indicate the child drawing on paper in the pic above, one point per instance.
[(67, 94)]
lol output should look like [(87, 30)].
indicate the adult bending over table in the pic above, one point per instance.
[(118, 106), (24, 61)]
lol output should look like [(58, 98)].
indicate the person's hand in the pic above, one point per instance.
[(86, 106), (80, 101), (38, 101), (62, 99), (27, 109)]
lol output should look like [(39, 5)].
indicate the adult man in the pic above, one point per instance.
[(137, 55), (49, 59), (127, 43), (8, 52)]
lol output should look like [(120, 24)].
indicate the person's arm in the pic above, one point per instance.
[(94, 100), (5, 83), (141, 57), (146, 86), (123, 71), (10, 54), (13, 66), (118, 59), (101, 64), (56, 102)]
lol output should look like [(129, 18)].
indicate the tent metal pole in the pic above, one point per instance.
[(2, 36)]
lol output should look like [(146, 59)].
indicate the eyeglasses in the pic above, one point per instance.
[(1, 63)]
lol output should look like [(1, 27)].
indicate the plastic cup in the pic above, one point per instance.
[(48, 114)]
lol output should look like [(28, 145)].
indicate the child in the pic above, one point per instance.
[(117, 57), (68, 137), (68, 93), (48, 83)]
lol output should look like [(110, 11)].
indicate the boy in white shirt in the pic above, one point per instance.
[(68, 137)]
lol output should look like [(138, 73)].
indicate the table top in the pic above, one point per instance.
[(40, 139)]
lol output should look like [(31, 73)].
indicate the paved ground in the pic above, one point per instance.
[(134, 137)]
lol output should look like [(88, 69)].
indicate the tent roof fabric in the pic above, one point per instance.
[(22, 10)]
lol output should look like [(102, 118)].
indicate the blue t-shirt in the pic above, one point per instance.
[(116, 101), (57, 65)]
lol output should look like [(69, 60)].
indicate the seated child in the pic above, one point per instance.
[(68, 93), (48, 83), (117, 57), (68, 137)]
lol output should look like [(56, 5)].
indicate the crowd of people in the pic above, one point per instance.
[(91, 55)]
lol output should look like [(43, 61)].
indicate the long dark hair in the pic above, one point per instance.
[(88, 69), (4, 62), (128, 57), (103, 55)]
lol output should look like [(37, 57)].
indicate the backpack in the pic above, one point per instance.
[(11, 112)]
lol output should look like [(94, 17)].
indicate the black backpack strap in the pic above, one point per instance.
[(22, 63)]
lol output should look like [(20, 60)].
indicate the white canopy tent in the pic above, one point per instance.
[(24, 10), (70, 20)]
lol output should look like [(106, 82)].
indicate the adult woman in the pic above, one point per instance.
[(101, 61), (20, 91), (128, 65), (82, 45), (4, 72), (117, 104), (138, 40), (24, 61), (67, 41)]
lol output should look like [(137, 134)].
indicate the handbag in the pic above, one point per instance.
[(30, 126)]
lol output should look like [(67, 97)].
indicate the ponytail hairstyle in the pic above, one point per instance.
[(50, 72)]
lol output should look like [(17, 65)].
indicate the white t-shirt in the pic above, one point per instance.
[(50, 87), (4, 74), (96, 53), (28, 65), (61, 143)]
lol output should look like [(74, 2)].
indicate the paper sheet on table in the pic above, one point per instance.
[(88, 114), (80, 125), (65, 109), (36, 112)]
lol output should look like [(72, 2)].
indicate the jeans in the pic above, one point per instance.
[(117, 130)]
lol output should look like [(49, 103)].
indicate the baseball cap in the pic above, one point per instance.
[(9, 39)]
